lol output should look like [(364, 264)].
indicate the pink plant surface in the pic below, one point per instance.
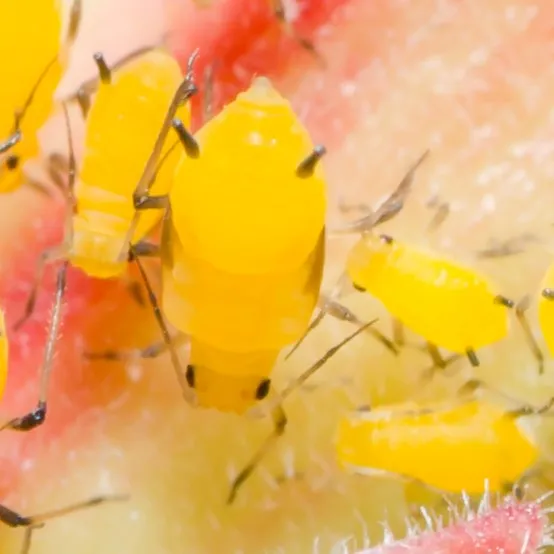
[(471, 81)]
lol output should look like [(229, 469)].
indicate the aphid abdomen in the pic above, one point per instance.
[(454, 450), (240, 205), (122, 127), (447, 304), (546, 309), (240, 312), (99, 232)]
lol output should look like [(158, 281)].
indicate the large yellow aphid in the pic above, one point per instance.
[(30, 75), (121, 130), (451, 447), (448, 304), (242, 249)]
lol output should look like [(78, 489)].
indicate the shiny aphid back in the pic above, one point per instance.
[(448, 304), (247, 237), (452, 448), (122, 127), (26, 24)]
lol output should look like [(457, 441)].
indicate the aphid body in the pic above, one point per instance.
[(122, 127), (243, 249), (26, 24), (453, 447), (448, 304)]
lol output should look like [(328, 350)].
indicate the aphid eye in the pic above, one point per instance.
[(190, 376), (263, 389), (387, 239), (12, 162)]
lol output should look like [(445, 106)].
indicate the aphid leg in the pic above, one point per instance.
[(521, 307), (144, 249), (429, 373), (474, 385), (47, 256), (279, 424), (278, 414), (83, 99), (398, 334), (391, 207), (436, 356), (342, 313), (442, 211), (38, 415), (188, 394), (27, 537), (75, 17), (152, 351), (141, 196), (10, 142), (345, 207), (13, 519), (303, 377), (208, 96), (40, 187), (278, 8)]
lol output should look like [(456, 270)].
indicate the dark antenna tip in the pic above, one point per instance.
[(187, 140), (307, 166), (103, 69)]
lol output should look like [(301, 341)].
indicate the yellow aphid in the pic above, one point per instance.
[(243, 223), (448, 304), (121, 129), (122, 126), (242, 251), (30, 75), (452, 448)]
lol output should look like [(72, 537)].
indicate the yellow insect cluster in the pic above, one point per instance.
[(242, 205)]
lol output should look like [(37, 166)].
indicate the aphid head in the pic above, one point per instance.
[(369, 255), (228, 381)]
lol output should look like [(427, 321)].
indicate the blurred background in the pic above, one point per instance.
[(472, 82)]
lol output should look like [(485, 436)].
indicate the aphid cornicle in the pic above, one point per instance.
[(450, 446), (30, 76), (242, 249), (121, 129)]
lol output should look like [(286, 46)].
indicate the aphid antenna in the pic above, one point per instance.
[(388, 209)]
